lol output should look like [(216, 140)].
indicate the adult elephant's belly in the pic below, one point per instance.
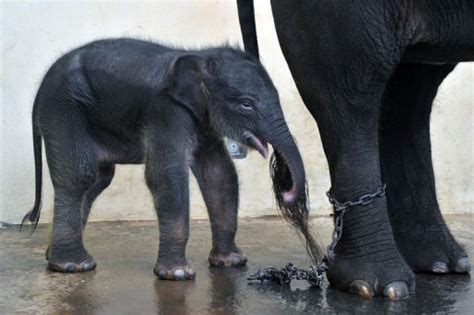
[(437, 55)]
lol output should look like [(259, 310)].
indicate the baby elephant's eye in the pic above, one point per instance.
[(246, 104)]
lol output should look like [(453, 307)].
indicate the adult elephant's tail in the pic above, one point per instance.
[(247, 26)]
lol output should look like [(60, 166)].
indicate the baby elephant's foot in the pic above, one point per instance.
[(233, 259), (177, 273), (87, 264), (80, 261)]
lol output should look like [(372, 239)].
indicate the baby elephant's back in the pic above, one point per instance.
[(119, 66), (108, 80), (123, 59)]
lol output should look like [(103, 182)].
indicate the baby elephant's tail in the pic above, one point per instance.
[(34, 214)]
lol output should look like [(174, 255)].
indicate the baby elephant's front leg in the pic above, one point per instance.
[(217, 178), (169, 184)]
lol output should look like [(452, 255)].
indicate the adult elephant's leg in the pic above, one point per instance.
[(340, 64), (217, 178), (366, 261), (419, 229)]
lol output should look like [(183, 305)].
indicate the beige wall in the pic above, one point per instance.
[(35, 33)]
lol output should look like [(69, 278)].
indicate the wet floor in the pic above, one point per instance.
[(123, 282)]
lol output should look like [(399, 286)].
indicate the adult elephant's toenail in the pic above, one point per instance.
[(362, 288), (179, 274), (439, 267), (396, 290), (463, 265)]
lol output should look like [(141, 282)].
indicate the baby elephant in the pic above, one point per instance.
[(129, 101)]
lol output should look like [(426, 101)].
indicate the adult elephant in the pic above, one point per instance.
[(368, 72)]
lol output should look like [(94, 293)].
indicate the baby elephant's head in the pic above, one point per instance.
[(231, 92)]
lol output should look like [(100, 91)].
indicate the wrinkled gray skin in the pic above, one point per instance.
[(127, 101), (368, 72)]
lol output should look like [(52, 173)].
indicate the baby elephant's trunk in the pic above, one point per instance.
[(291, 193)]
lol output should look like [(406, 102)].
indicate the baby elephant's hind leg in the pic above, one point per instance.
[(217, 178), (105, 174), (73, 166)]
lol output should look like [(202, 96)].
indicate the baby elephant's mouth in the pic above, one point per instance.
[(258, 144)]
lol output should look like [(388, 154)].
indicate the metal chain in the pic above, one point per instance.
[(315, 274), (340, 208), (363, 200)]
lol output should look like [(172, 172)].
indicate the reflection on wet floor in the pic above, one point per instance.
[(124, 280)]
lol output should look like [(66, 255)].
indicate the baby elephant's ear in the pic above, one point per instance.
[(187, 83)]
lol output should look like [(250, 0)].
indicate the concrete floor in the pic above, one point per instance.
[(123, 282)]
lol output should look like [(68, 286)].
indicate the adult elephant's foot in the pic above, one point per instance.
[(234, 258), (430, 247), (177, 272), (76, 262), (384, 275)]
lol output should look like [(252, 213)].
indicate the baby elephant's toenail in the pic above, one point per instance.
[(70, 268), (162, 274), (179, 274), (463, 265), (239, 261), (86, 266)]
